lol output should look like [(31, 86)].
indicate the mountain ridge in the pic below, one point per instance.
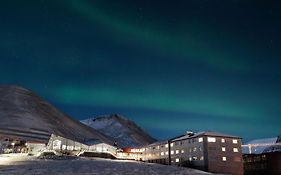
[(126, 132), (22, 109)]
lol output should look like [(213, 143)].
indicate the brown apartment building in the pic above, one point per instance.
[(208, 151)]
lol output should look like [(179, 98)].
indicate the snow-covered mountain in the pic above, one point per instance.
[(125, 132), (25, 115)]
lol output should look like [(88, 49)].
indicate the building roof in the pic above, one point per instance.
[(203, 133), (158, 143)]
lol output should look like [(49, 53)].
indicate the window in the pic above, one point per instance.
[(177, 160), (162, 153), (235, 150), (200, 139), (166, 152), (172, 144), (56, 144), (166, 146), (234, 141), (223, 158), (211, 139), (222, 140), (172, 152), (201, 158), (182, 151), (223, 149), (177, 151), (194, 149)]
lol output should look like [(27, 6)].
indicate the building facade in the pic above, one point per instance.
[(208, 151), (264, 163)]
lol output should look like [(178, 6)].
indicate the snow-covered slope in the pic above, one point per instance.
[(25, 115), (120, 129), (28, 165)]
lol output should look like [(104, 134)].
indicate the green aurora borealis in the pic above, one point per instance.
[(169, 66)]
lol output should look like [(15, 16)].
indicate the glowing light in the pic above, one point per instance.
[(234, 141), (211, 139)]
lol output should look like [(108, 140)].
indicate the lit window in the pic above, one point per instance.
[(172, 152), (222, 140), (190, 158), (211, 139), (201, 158), (162, 153), (166, 152), (182, 151), (235, 150), (223, 158), (166, 145), (223, 148), (234, 141), (177, 151), (172, 144), (200, 139), (177, 160), (56, 144)]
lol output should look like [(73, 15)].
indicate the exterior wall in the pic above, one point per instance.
[(188, 152), (259, 164), (59, 143), (221, 155), (156, 153), (62, 144), (198, 152), (104, 148)]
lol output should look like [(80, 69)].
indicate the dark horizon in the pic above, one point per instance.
[(169, 66)]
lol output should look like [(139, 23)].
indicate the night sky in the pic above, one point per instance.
[(170, 66)]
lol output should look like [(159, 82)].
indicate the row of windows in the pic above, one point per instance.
[(234, 149), (236, 159), (172, 152), (200, 139), (213, 139)]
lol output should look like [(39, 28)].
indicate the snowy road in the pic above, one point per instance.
[(86, 166)]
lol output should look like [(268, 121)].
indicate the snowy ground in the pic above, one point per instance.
[(25, 165)]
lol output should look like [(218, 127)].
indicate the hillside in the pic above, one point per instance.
[(120, 129), (25, 115)]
